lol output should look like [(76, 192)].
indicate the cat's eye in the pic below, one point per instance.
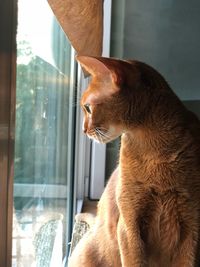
[(88, 108)]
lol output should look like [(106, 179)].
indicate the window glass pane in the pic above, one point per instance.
[(44, 138), (164, 34)]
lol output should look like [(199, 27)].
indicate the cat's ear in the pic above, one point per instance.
[(96, 66)]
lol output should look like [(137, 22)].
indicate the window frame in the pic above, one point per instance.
[(90, 157), (98, 151), (8, 24), (87, 168)]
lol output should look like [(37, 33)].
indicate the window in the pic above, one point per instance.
[(50, 176), (44, 139)]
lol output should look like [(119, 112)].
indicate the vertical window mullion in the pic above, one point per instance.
[(7, 117), (71, 148), (98, 158)]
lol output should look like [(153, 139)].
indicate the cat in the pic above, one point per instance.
[(149, 213)]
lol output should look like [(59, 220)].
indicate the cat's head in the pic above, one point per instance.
[(113, 98)]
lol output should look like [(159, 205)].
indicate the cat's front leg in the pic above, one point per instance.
[(187, 253), (131, 199), (130, 245)]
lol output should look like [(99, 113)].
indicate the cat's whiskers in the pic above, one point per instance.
[(102, 134), (105, 132), (98, 135), (92, 134), (99, 138)]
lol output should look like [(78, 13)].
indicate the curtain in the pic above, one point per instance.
[(82, 21)]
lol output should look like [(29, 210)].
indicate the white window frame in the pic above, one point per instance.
[(90, 156), (98, 158)]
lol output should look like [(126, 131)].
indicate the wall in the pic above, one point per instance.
[(166, 35)]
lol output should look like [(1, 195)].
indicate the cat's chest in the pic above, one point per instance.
[(148, 173), (150, 169)]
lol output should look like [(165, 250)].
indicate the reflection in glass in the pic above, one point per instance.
[(44, 124)]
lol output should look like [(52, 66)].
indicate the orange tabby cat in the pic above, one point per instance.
[(149, 213)]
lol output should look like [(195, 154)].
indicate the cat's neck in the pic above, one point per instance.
[(152, 144), (159, 130)]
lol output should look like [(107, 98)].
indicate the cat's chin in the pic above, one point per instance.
[(102, 140), (104, 135)]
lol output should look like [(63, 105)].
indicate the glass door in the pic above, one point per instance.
[(44, 139)]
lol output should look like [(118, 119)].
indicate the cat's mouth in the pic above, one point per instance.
[(103, 135), (100, 135)]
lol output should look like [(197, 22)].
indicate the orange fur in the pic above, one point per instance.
[(148, 214)]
